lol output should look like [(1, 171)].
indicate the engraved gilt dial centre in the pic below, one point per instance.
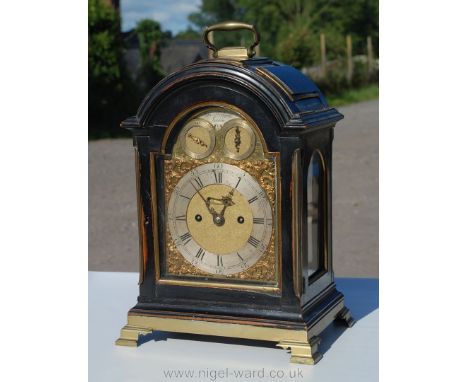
[(219, 230)]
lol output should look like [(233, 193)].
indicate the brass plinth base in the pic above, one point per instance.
[(303, 343)]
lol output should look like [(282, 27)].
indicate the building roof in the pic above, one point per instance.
[(178, 53)]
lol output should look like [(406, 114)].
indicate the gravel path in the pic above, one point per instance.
[(113, 235)]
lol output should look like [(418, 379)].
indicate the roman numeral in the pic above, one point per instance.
[(238, 182), (240, 257), (259, 220), (199, 183), (186, 237), (182, 218), (186, 197), (200, 254), (220, 261), (253, 241), (253, 199), (218, 176)]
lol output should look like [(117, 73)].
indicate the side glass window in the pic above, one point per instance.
[(315, 214)]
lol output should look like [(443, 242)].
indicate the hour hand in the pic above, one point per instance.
[(227, 200)]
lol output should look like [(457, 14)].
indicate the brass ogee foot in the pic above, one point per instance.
[(345, 315), (129, 335), (303, 352)]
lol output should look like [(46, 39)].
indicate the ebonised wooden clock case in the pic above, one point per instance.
[(294, 127)]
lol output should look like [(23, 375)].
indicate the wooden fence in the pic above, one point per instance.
[(323, 69)]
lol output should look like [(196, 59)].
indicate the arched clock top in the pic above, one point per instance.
[(284, 97)]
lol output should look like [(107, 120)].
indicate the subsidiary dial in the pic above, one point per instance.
[(238, 139), (198, 138)]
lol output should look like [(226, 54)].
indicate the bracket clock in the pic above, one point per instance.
[(233, 171)]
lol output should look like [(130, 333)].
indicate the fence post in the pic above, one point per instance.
[(323, 55), (370, 56), (349, 56)]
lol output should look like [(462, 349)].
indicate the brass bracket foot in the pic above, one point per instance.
[(303, 352), (345, 315), (129, 335)]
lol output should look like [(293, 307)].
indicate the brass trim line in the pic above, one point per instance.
[(325, 212), (272, 78), (279, 223), (154, 212), (141, 226), (296, 222), (299, 97), (220, 284)]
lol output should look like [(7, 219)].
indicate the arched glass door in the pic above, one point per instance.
[(315, 214)]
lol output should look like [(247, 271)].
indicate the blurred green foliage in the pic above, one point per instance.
[(104, 47), (335, 83), (150, 37), (290, 29), (189, 34), (290, 32), (110, 92), (149, 33), (346, 97), (113, 94)]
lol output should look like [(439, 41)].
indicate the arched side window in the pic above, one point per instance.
[(316, 215)]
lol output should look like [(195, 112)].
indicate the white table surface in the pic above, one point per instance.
[(348, 354)]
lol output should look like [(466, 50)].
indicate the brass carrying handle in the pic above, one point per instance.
[(231, 26)]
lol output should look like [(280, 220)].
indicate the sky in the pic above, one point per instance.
[(171, 14)]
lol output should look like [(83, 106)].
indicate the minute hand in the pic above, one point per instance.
[(211, 210)]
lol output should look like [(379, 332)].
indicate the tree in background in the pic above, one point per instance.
[(150, 37), (290, 29), (214, 11), (189, 34), (110, 93), (104, 47)]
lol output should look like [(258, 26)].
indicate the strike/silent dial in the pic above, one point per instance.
[(198, 138)]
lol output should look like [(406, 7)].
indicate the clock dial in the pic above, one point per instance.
[(220, 218), (198, 138), (239, 139)]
